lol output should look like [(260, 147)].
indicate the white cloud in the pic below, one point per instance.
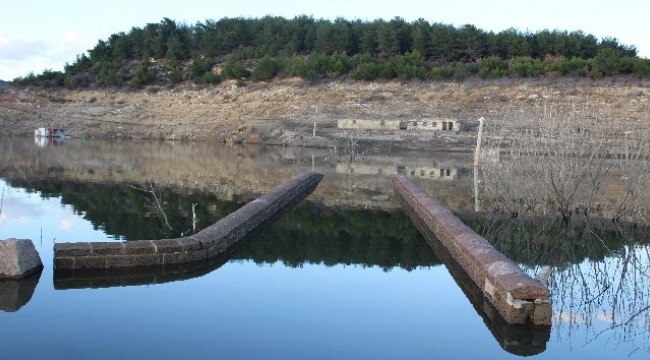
[(12, 48), (69, 224), (21, 55), (568, 317)]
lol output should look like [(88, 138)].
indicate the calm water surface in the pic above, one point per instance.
[(344, 275)]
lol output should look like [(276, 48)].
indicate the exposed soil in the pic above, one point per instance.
[(284, 111)]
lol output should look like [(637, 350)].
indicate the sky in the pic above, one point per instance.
[(43, 34)]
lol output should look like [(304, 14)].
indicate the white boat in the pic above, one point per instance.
[(51, 132)]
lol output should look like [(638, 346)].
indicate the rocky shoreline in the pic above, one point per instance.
[(283, 112)]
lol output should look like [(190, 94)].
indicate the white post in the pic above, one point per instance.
[(316, 115), (477, 160), (193, 218)]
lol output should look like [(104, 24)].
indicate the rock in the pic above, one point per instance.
[(18, 259)]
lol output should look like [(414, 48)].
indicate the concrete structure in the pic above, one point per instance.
[(369, 124), (18, 259), (204, 246), (425, 172), (413, 125), (518, 298), (521, 340), (432, 125)]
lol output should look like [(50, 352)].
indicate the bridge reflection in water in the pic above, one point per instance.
[(222, 179)]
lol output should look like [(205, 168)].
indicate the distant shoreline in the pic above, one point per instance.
[(283, 112)]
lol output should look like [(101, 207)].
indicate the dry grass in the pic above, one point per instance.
[(204, 113), (575, 159)]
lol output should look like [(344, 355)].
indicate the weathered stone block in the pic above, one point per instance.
[(175, 258), (168, 246), (72, 249), (90, 262), (197, 256), (148, 259), (64, 263), (107, 248), (210, 242), (139, 247), (513, 293), (18, 259), (120, 261), (191, 244)]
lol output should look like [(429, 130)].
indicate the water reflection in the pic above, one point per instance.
[(601, 274), (237, 172), (307, 235), (522, 340), (14, 294), (118, 277), (600, 268)]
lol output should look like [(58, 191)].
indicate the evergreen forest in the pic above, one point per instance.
[(261, 49)]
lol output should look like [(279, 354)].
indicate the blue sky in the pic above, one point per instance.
[(43, 34)]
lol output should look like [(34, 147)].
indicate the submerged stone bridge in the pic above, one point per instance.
[(203, 246), (519, 298)]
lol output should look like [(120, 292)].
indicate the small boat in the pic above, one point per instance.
[(51, 132)]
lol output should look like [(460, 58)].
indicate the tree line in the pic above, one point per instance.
[(265, 48), (307, 234)]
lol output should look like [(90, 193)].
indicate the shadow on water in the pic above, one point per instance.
[(14, 294), (308, 234), (522, 340), (118, 277)]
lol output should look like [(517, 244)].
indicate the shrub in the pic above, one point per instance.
[(199, 68), (234, 68), (410, 65), (210, 78), (266, 69), (388, 70), (492, 67), (576, 66), (295, 66), (641, 67), (440, 73), (607, 61), (460, 71), (338, 64), (366, 71), (361, 58)]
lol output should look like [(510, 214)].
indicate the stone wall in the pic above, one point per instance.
[(369, 124), (205, 245), (519, 298), (425, 172), (433, 124)]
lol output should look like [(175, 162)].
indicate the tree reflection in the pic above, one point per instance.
[(570, 192), (600, 283)]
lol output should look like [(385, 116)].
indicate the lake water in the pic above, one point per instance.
[(344, 275)]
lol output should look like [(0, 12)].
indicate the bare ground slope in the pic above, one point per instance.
[(284, 111)]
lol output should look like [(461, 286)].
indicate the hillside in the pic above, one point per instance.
[(284, 111), (171, 53)]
